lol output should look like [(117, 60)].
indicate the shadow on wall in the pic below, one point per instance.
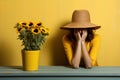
[(58, 53), (5, 53)]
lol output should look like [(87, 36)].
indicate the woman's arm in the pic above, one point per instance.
[(86, 57), (77, 53), (73, 56)]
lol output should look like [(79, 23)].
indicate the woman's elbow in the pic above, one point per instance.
[(74, 65), (89, 66)]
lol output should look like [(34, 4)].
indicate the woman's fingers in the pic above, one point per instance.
[(84, 35), (77, 35)]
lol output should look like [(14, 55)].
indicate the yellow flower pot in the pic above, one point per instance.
[(30, 60)]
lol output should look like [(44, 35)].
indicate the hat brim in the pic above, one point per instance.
[(80, 25)]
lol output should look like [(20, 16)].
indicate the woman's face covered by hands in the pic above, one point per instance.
[(80, 34)]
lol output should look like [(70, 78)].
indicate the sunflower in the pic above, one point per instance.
[(39, 24), (35, 30), (31, 24), (44, 30), (20, 29), (24, 23)]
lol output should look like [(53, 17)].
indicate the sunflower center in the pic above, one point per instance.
[(23, 23), (30, 24), (19, 29), (39, 24), (43, 30), (36, 30), (26, 27)]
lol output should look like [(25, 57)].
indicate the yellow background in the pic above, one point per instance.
[(53, 14)]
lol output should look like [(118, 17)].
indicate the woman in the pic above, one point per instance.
[(81, 43)]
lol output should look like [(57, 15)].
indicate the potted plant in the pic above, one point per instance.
[(32, 36)]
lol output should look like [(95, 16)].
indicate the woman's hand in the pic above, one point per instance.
[(84, 35), (77, 35)]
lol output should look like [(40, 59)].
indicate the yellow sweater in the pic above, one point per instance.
[(92, 48)]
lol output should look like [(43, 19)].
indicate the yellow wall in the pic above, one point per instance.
[(55, 13)]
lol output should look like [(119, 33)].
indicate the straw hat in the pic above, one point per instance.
[(80, 19)]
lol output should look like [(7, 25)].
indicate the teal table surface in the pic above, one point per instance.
[(59, 71)]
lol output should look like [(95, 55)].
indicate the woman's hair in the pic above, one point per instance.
[(90, 35)]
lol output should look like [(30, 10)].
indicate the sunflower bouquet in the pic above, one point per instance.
[(32, 34)]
